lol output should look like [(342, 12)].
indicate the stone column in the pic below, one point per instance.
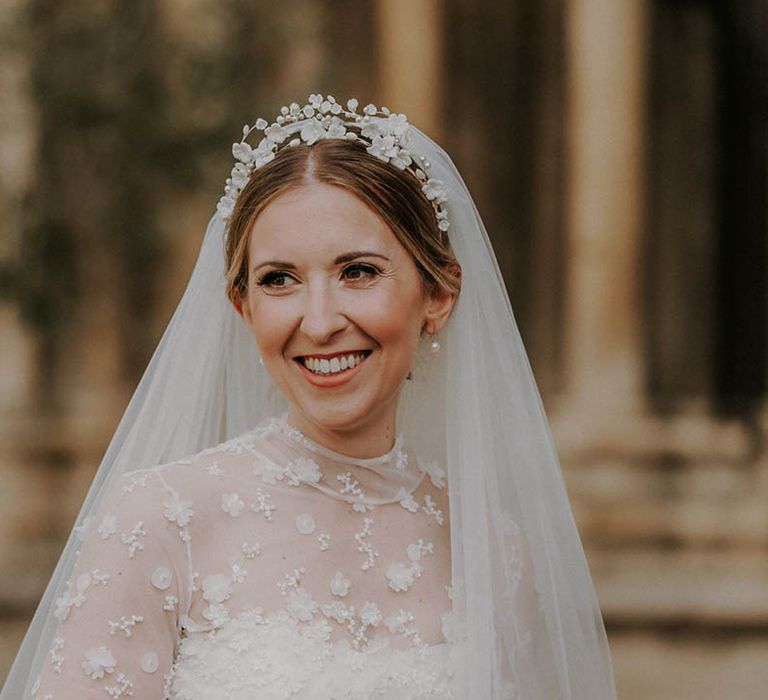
[(604, 363), (408, 35)]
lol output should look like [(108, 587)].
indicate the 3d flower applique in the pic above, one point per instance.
[(340, 585), (57, 658), (66, 601), (436, 472), (418, 548), (216, 614), (98, 661), (370, 615), (269, 472), (339, 611), (83, 582), (400, 577), (107, 527), (325, 541), (251, 550), (170, 602), (232, 503), (81, 530), (435, 190), (407, 500), (303, 471), (398, 622), (300, 604), (216, 589), (313, 131), (401, 623), (99, 577), (178, 510), (385, 148)]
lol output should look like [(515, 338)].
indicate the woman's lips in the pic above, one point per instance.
[(327, 381)]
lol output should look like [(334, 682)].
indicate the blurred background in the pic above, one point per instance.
[(618, 152)]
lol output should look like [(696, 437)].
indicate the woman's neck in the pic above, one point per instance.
[(373, 439)]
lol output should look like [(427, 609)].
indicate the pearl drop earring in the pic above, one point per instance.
[(434, 346)]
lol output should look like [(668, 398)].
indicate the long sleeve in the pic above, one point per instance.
[(118, 617)]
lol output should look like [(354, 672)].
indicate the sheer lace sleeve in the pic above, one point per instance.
[(119, 614)]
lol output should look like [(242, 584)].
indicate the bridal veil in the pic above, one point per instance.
[(520, 581)]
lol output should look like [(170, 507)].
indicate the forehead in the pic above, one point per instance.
[(319, 220)]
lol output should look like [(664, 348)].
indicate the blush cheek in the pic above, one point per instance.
[(271, 328), (394, 323)]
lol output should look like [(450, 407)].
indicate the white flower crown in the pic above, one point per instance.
[(384, 134)]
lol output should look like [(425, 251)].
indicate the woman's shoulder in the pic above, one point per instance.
[(205, 480), (241, 452)]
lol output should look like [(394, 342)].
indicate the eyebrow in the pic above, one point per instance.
[(346, 257)]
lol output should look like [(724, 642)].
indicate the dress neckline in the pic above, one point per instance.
[(363, 482), (395, 458)]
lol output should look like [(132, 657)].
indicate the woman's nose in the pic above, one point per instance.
[(322, 316)]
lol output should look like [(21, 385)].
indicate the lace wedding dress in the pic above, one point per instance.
[(265, 567)]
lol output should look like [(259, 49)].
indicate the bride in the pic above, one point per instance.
[(335, 479)]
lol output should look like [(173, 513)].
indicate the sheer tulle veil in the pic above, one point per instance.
[(521, 585)]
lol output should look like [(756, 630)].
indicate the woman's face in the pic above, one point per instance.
[(337, 307)]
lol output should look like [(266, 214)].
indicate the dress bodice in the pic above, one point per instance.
[(264, 567), (277, 656)]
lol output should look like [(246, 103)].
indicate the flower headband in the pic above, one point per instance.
[(384, 134)]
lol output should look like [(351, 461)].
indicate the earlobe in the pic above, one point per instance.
[(439, 309)]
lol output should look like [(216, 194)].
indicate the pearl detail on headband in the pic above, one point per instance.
[(385, 135)]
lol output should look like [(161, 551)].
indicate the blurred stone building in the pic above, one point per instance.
[(618, 151)]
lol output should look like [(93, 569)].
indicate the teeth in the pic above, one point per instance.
[(334, 365)]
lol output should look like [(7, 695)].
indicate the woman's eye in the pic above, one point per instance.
[(276, 280), (358, 271)]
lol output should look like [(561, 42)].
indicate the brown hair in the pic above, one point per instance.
[(394, 194)]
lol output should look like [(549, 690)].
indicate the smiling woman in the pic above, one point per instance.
[(320, 306), (281, 514)]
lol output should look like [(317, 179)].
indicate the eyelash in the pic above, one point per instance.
[(268, 279)]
